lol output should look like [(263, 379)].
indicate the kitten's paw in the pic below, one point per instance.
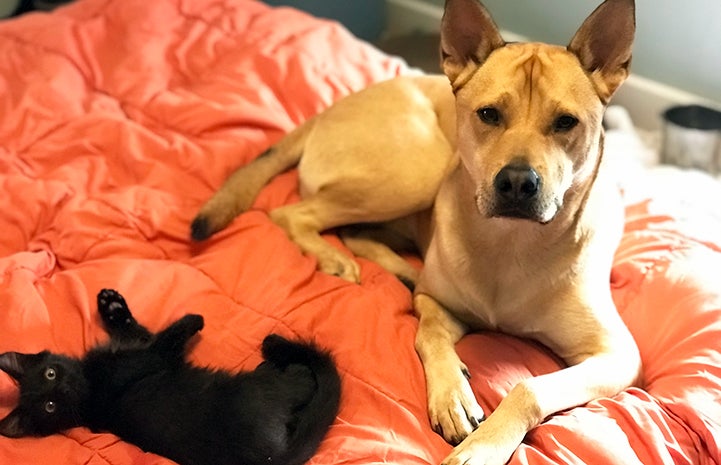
[(192, 323), (113, 309)]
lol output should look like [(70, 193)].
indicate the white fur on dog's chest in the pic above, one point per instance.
[(484, 303)]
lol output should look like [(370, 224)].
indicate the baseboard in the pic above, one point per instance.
[(645, 99)]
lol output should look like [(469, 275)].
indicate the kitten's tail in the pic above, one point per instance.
[(314, 418)]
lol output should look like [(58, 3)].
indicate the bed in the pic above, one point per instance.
[(121, 117)]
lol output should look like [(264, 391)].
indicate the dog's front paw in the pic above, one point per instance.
[(485, 446), (452, 406), (480, 455), (113, 309)]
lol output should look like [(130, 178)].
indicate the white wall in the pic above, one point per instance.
[(678, 42)]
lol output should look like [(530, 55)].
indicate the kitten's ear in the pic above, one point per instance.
[(11, 425), (16, 364), (13, 364)]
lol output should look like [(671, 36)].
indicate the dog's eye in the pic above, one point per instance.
[(564, 123), (50, 373), (489, 115), (50, 406)]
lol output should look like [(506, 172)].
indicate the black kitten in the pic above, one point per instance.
[(139, 387)]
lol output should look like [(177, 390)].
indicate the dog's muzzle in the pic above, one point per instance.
[(516, 192)]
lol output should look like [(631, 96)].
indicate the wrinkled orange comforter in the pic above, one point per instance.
[(121, 117)]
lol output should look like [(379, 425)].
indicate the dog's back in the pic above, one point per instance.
[(414, 160)]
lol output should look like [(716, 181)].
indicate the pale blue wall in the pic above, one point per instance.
[(678, 42), (364, 18)]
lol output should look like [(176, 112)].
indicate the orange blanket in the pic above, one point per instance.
[(121, 117)]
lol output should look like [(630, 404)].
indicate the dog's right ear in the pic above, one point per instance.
[(468, 36)]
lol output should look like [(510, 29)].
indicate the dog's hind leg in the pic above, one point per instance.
[(238, 192), (304, 221), (381, 245), (342, 204)]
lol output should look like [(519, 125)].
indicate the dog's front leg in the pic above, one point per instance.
[(534, 399), (452, 406)]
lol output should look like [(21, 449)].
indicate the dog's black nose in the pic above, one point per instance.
[(517, 182)]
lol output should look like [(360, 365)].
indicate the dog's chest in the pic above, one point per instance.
[(500, 302), (487, 289)]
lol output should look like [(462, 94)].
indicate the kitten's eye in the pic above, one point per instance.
[(50, 373), (50, 406), (565, 123), (489, 115)]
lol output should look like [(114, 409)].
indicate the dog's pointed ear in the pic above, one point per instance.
[(603, 44), (468, 36)]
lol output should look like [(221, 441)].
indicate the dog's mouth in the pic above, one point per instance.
[(534, 210), (520, 214)]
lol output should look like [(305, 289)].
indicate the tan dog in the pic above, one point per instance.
[(524, 224)]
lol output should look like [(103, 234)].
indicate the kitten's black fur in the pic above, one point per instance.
[(139, 387)]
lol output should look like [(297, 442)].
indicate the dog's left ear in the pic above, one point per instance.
[(468, 36), (603, 44)]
